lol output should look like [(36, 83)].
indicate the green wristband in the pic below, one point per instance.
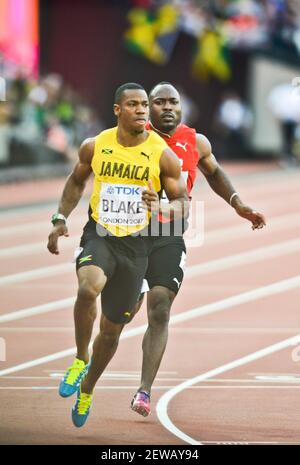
[(58, 216)]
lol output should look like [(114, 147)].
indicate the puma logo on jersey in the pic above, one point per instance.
[(177, 282), (183, 146), (145, 155)]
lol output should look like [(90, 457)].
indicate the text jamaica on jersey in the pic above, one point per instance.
[(122, 170)]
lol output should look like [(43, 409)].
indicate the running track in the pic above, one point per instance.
[(230, 373)]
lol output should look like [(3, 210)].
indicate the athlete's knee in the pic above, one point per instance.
[(87, 291), (91, 283), (136, 308), (159, 306), (110, 332)]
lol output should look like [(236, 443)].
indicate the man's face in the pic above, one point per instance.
[(165, 108), (133, 110)]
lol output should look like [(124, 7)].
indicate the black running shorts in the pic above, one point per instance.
[(166, 263), (124, 262)]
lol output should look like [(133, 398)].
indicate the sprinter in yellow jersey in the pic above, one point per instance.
[(131, 166)]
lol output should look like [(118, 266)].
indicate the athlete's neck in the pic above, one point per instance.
[(131, 139), (165, 134)]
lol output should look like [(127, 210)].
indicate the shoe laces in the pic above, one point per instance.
[(84, 403), (74, 371), (142, 396)]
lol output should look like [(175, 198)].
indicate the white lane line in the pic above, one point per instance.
[(133, 386), (244, 387), (252, 256), (271, 179), (38, 310), (211, 266), (99, 388), (162, 405), (232, 383), (245, 297), (271, 289), (36, 247), (11, 211), (33, 227), (277, 223), (213, 213), (214, 331), (108, 374), (280, 379), (37, 273), (228, 330), (37, 329), (104, 377), (116, 372)]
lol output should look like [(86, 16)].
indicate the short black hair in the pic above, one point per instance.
[(128, 85), (162, 83)]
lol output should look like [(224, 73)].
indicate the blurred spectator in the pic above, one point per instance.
[(190, 112), (42, 122), (5, 111), (232, 123), (284, 103)]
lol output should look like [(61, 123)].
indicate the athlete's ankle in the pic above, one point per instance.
[(145, 389), (85, 388), (83, 357)]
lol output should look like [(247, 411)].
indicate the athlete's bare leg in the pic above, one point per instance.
[(155, 339), (136, 308), (91, 280), (104, 348)]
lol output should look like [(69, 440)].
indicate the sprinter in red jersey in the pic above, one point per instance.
[(166, 263)]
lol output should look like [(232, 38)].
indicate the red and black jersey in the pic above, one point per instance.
[(183, 143)]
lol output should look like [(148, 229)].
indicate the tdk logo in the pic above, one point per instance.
[(125, 190)]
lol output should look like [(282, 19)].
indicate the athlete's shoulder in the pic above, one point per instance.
[(107, 132), (153, 135), (183, 129), (155, 138), (203, 145), (88, 143), (86, 150)]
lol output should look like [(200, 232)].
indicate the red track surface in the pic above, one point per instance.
[(250, 402)]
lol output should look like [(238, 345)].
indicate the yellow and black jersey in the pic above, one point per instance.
[(121, 174)]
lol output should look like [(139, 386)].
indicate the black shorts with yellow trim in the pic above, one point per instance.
[(124, 261), (166, 263)]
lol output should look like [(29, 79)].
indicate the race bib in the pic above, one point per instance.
[(121, 204)]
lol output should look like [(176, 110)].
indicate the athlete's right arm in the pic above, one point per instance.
[(72, 192), (174, 187)]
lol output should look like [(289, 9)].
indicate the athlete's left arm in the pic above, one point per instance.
[(174, 186), (221, 184)]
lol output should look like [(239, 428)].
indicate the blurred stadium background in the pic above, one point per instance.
[(236, 63), (237, 66)]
